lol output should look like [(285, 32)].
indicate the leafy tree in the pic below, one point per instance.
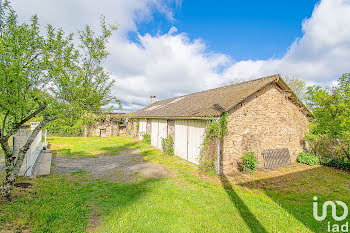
[(330, 107), (298, 87), (48, 76)]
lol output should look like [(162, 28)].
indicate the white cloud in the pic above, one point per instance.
[(164, 65), (172, 64), (321, 55), (73, 14)]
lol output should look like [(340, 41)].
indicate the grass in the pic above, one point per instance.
[(77, 147), (185, 202)]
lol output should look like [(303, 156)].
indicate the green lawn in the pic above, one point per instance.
[(185, 202), (78, 147)]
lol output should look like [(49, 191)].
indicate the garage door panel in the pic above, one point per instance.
[(181, 138), (188, 139), (196, 133), (154, 132), (162, 132), (158, 131), (142, 128)]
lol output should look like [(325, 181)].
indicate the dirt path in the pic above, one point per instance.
[(126, 167)]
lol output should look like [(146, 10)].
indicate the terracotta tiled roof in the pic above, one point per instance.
[(212, 102)]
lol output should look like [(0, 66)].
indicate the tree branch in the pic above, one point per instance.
[(6, 148), (32, 59), (4, 124), (343, 148), (30, 116)]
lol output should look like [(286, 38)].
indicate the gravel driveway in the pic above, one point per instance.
[(126, 167)]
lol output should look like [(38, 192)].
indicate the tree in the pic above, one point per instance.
[(298, 87), (330, 107), (47, 76)]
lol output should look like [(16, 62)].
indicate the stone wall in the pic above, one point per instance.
[(148, 126), (132, 128), (267, 120), (171, 128), (105, 127)]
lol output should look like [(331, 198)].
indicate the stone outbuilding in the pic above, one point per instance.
[(264, 116), (111, 124)]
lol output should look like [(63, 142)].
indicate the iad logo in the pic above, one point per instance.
[(335, 227)]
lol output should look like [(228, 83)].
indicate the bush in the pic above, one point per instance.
[(62, 129), (307, 158), (168, 145), (249, 162), (146, 138), (324, 146), (339, 163)]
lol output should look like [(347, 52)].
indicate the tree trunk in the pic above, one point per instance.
[(13, 165), (343, 148), (8, 184)]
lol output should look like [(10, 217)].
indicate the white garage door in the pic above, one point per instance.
[(181, 138), (163, 132), (196, 132), (158, 131), (142, 127), (188, 139)]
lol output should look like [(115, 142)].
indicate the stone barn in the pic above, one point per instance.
[(111, 124), (264, 116)]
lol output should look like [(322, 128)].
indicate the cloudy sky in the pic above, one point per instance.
[(172, 47)]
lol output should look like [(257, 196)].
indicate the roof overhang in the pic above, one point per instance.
[(293, 97)]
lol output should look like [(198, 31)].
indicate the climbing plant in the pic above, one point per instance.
[(215, 131), (146, 138), (168, 145)]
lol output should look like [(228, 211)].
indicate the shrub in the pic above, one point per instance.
[(168, 145), (249, 162), (146, 138), (324, 146), (307, 158), (339, 163)]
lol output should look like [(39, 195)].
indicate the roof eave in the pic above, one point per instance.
[(280, 82)]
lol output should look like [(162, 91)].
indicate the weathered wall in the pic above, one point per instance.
[(132, 128), (148, 126), (267, 120), (110, 127), (171, 128)]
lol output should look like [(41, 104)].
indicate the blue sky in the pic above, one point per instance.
[(243, 29), (169, 48)]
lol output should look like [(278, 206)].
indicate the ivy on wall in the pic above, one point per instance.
[(215, 131), (168, 145)]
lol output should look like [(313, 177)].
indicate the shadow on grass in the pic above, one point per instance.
[(295, 191), (247, 215), (128, 146)]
